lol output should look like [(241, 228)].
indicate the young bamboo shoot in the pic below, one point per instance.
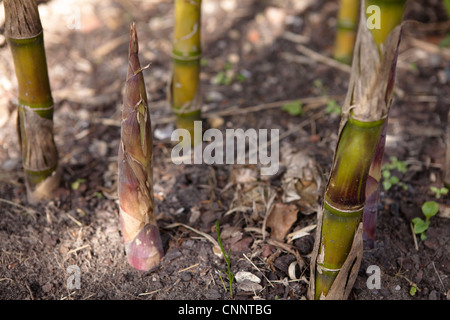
[(143, 244), (338, 246), (25, 37)]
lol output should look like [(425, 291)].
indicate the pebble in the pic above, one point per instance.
[(47, 287), (185, 276), (434, 295), (10, 164), (249, 286)]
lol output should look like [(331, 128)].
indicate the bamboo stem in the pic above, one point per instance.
[(355, 166), (35, 112), (184, 90), (344, 199), (347, 24)]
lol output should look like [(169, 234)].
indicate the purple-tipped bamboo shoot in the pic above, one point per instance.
[(143, 244), (338, 248), (25, 37)]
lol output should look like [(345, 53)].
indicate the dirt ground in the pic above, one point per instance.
[(257, 46)]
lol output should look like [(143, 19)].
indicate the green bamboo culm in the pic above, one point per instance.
[(347, 25), (345, 198), (389, 13), (25, 37), (184, 91), (338, 248)]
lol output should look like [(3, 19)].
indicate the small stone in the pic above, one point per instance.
[(186, 276), (434, 295), (249, 286), (47, 287)]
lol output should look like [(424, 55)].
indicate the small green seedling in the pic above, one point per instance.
[(389, 178), (294, 108), (438, 192), (333, 107), (76, 184), (229, 273), (413, 290), (228, 75), (224, 77), (420, 226)]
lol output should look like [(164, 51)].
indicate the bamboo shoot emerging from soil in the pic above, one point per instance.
[(143, 244), (24, 34), (338, 248), (347, 24), (184, 89)]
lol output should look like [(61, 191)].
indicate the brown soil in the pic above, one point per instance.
[(86, 44)]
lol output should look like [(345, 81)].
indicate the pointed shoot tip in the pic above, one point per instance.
[(134, 47)]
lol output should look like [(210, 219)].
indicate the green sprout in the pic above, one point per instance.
[(227, 76), (76, 184), (229, 273), (294, 108), (420, 226), (333, 107), (390, 179), (413, 290), (438, 192)]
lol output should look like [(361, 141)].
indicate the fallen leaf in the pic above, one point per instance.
[(281, 220), (300, 233), (302, 182), (242, 276)]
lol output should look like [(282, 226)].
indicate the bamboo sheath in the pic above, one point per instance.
[(184, 87), (141, 235), (35, 111), (338, 248)]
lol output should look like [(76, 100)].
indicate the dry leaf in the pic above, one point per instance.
[(300, 233), (302, 182), (242, 276), (281, 219)]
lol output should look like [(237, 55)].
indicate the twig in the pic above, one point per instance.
[(78, 249), (323, 59), (148, 293), (290, 249), (207, 236), (238, 209), (188, 268), (29, 290), (78, 223), (414, 237), (439, 277), (294, 37), (429, 47), (254, 266), (28, 210), (309, 102)]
